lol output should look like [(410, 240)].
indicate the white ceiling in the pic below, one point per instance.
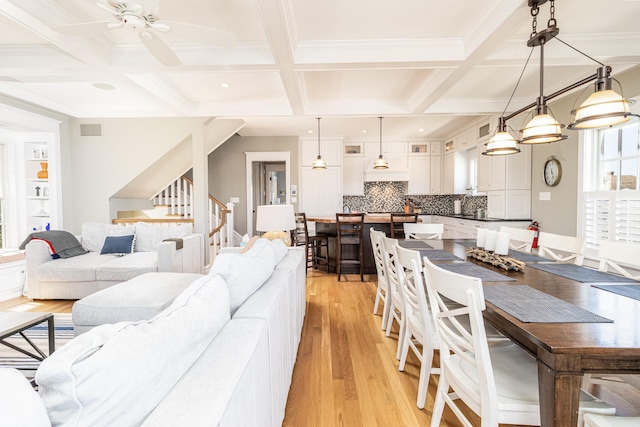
[(421, 64)]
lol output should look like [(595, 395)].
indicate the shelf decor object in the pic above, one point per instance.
[(603, 108), (44, 173)]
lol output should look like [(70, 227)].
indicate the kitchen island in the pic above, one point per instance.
[(327, 225)]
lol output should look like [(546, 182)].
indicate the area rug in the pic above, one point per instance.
[(10, 358)]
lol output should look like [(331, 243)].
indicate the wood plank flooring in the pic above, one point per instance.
[(346, 372)]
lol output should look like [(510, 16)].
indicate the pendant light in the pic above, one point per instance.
[(543, 127), (502, 142), (604, 107), (381, 163), (319, 164)]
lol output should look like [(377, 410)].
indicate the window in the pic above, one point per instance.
[(611, 196)]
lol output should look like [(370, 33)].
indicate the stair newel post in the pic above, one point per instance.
[(229, 224), (190, 194), (180, 197)]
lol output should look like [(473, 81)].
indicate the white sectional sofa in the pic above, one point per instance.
[(222, 354), (82, 275)]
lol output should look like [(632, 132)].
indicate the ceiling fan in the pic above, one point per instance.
[(132, 17)]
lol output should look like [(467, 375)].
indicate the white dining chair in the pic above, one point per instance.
[(382, 293), (561, 248), (420, 230), (396, 299), (498, 382), (614, 253), (520, 239), (419, 334), (595, 420)]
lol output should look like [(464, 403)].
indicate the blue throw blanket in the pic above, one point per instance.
[(62, 243)]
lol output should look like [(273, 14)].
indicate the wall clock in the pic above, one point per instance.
[(552, 171)]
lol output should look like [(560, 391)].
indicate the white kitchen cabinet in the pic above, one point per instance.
[(330, 149), (491, 171), (496, 204), (448, 173), (518, 169), (435, 148), (455, 173), (517, 204), (320, 192), (392, 148), (436, 175), (353, 176), (419, 175)]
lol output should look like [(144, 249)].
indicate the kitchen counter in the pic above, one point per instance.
[(368, 219), (474, 218)]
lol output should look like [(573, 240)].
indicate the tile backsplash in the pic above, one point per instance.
[(389, 197)]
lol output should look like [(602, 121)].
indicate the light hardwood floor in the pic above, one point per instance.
[(346, 372)]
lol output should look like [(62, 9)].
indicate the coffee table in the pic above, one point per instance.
[(16, 322)]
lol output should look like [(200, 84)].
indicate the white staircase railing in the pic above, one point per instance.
[(178, 200)]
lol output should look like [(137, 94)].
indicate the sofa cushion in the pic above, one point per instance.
[(119, 269), (148, 236), (94, 233), (245, 273), (80, 268), (118, 245), (117, 374), (140, 298), (19, 402)]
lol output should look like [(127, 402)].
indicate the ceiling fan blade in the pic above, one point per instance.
[(159, 49), (104, 5), (199, 33), (85, 28)]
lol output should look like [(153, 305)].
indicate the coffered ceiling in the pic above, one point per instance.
[(421, 64)]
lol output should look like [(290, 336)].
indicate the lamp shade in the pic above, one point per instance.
[(275, 218), (319, 164), (381, 163), (542, 129), (500, 144), (602, 108)]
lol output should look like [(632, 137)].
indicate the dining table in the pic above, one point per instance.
[(608, 341)]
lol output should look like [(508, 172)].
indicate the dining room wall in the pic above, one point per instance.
[(559, 214)]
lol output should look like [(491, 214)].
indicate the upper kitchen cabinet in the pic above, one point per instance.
[(319, 191), (353, 175), (518, 169), (392, 149), (491, 171), (419, 175), (330, 150)]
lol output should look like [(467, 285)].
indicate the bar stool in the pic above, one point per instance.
[(349, 229), (397, 223), (313, 244)]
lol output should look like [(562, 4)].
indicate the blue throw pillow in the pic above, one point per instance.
[(118, 245)]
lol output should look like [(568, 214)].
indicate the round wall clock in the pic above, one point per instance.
[(552, 171)]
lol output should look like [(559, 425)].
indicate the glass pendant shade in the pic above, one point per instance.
[(381, 163), (319, 164), (501, 143), (601, 109), (542, 129)]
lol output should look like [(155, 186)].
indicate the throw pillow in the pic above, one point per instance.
[(19, 402), (280, 249), (244, 273), (118, 245), (148, 237), (94, 233), (116, 374)]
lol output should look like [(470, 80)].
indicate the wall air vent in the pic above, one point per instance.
[(90, 129)]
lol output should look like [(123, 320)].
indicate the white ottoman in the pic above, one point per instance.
[(139, 298)]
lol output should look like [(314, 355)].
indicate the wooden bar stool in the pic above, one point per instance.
[(397, 223), (349, 235), (317, 246)]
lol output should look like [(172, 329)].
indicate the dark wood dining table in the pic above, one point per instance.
[(567, 351)]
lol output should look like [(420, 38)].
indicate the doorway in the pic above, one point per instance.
[(268, 181)]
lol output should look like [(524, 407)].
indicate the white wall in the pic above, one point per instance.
[(100, 166)]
